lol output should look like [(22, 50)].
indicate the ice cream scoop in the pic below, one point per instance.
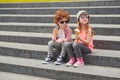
[(55, 32), (77, 31)]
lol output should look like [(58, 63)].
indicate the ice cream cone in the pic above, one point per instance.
[(55, 32), (77, 31)]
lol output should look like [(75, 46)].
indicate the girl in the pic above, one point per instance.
[(83, 43), (61, 34)]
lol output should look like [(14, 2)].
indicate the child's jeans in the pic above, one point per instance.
[(60, 47), (75, 49)]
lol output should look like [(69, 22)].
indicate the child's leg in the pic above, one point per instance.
[(69, 49), (70, 52), (51, 45), (62, 54), (80, 49)]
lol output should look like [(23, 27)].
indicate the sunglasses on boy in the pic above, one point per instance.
[(62, 22), (84, 16)]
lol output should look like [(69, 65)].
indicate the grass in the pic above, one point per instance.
[(7, 1)]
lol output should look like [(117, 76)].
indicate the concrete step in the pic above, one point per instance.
[(36, 68), (101, 42), (13, 76), (17, 56), (62, 4), (71, 10), (95, 19), (98, 57), (99, 29), (104, 19)]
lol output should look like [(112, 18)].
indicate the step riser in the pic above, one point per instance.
[(102, 61), (67, 4), (48, 29), (110, 45), (27, 59), (23, 53), (94, 20), (31, 40), (41, 29), (89, 59), (99, 44), (107, 31), (52, 11), (28, 70), (59, 75)]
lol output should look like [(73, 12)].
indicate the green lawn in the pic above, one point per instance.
[(39, 0)]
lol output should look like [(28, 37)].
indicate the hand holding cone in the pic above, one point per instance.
[(77, 31), (55, 32)]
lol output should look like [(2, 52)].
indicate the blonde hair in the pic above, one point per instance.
[(87, 27)]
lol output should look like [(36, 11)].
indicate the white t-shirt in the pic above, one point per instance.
[(61, 34)]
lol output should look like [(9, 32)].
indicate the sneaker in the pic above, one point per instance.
[(80, 62), (59, 60), (47, 59), (71, 62)]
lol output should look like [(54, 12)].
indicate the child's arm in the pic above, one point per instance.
[(54, 34), (89, 35)]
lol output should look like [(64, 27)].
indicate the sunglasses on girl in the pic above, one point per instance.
[(62, 22), (84, 16)]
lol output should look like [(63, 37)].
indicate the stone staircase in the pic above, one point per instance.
[(25, 29)]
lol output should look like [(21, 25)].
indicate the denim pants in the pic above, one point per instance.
[(77, 50), (60, 47)]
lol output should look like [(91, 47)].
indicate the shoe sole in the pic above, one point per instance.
[(69, 65), (57, 63), (78, 65), (47, 62)]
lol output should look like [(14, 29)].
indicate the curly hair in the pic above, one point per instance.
[(60, 14)]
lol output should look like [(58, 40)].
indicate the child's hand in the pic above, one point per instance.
[(75, 41), (54, 36), (77, 31), (54, 39), (60, 40)]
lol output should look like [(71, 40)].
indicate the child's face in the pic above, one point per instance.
[(83, 19), (63, 23)]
